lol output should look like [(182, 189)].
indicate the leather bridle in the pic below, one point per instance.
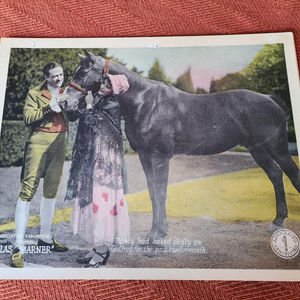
[(77, 87), (80, 89)]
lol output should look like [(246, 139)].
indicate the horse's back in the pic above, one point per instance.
[(172, 121), (217, 122)]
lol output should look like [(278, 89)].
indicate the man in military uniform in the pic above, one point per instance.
[(43, 158)]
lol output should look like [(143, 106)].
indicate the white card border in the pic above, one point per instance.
[(148, 42)]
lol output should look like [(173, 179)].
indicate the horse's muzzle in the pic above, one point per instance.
[(69, 105)]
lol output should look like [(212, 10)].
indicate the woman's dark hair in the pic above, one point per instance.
[(49, 67), (105, 77)]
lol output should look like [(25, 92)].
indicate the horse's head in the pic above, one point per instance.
[(87, 77)]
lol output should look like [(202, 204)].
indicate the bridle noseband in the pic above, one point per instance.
[(77, 87), (80, 89)]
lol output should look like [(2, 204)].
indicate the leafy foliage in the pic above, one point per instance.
[(185, 83), (157, 73), (13, 136), (201, 91), (230, 81), (136, 70), (267, 72)]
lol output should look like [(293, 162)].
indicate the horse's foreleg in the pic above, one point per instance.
[(156, 168), (160, 165), (148, 170), (266, 162)]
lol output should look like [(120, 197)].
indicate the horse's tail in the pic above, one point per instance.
[(282, 105)]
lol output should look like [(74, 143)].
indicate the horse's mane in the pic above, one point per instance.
[(139, 80)]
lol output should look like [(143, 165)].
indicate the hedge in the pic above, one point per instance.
[(12, 143), (14, 135)]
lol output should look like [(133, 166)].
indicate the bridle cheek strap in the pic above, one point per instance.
[(106, 69), (80, 89)]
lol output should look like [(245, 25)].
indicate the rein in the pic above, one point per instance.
[(80, 89)]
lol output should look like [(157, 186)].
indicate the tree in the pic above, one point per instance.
[(157, 73), (201, 91), (230, 81), (136, 70), (267, 72), (26, 71), (185, 83)]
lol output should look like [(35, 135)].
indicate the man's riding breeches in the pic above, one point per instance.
[(44, 158)]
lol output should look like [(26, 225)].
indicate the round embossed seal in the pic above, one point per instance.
[(285, 243)]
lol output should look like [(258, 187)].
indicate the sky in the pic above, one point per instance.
[(205, 62)]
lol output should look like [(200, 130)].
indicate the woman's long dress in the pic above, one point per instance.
[(96, 181)]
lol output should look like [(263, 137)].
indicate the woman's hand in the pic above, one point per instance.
[(89, 99)]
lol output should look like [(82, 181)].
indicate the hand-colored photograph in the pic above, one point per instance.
[(170, 158)]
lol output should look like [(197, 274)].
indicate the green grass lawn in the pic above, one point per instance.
[(246, 195)]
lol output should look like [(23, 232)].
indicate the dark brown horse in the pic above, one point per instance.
[(161, 121)]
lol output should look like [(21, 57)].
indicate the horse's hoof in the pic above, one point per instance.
[(150, 252), (150, 239), (153, 236), (274, 227)]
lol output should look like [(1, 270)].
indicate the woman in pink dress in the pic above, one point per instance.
[(97, 181)]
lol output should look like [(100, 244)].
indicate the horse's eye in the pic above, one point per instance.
[(85, 67), (85, 70)]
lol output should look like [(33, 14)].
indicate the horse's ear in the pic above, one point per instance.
[(91, 56), (81, 56)]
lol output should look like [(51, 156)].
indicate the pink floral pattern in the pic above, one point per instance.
[(114, 211), (102, 221), (95, 208), (105, 196)]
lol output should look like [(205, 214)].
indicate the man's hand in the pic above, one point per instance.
[(89, 99), (61, 98), (54, 105), (57, 102)]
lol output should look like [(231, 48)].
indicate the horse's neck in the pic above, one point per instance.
[(129, 101), (136, 81)]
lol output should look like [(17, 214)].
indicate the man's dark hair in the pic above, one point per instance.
[(49, 67)]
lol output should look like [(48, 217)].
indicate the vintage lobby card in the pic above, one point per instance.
[(212, 122)]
